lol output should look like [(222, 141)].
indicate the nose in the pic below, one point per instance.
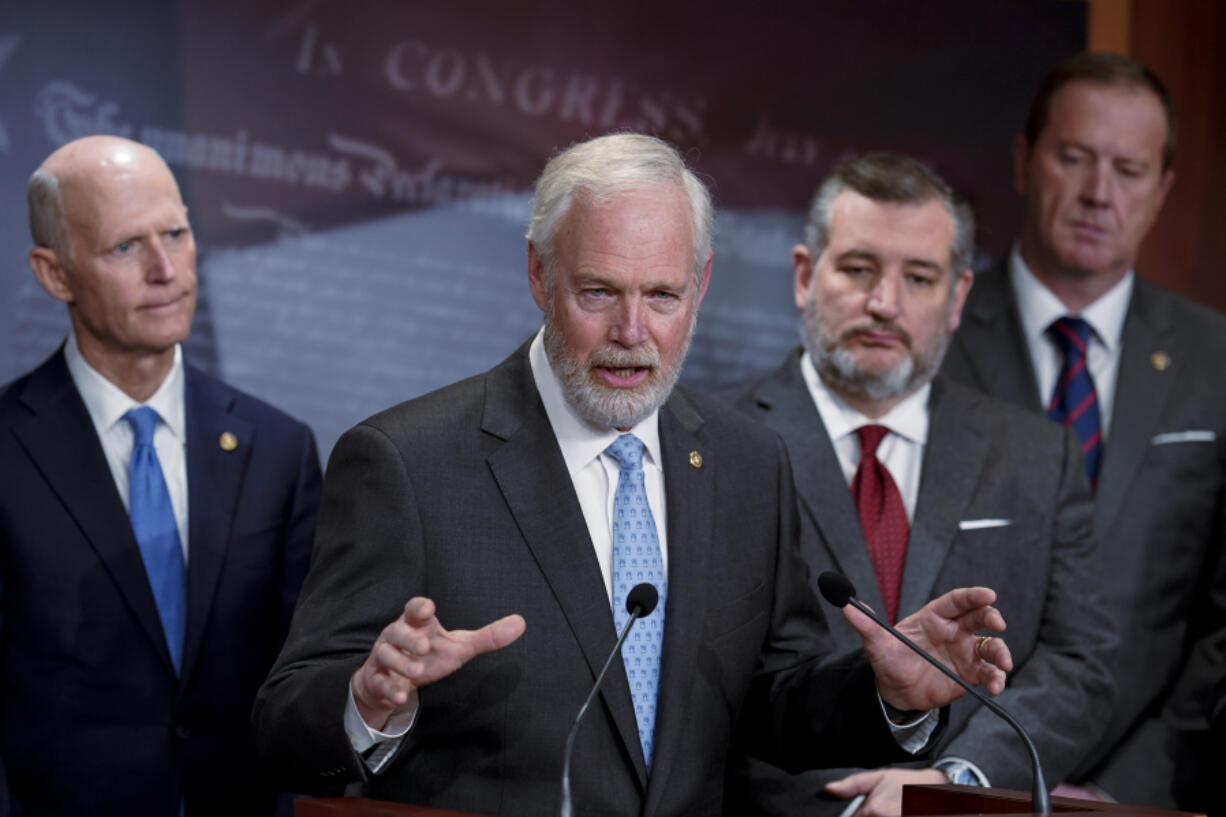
[(1096, 184), (159, 264), (629, 328), (883, 298)]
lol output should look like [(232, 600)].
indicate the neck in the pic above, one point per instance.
[(1076, 288), (137, 375)]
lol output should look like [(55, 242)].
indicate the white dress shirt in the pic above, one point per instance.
[(1038, 307), (107, 403), (901, 451)]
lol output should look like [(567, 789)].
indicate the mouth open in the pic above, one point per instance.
[(622, 377)]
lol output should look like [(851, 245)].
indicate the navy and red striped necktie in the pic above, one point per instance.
[(1074, 402)]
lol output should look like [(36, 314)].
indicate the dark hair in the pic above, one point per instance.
[(895, 179), (1103, 69)]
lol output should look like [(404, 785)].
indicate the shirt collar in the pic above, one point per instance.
[(908, 419), (580, 441), (1038, 306), (107, 403)]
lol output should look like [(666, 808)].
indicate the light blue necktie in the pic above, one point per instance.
[(153, 522), (636, 558)]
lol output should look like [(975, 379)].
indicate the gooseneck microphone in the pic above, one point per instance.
[(838, 590), (640, 602)]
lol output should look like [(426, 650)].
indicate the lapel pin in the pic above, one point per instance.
[(1161, 361), (227, 441), (695, 459)]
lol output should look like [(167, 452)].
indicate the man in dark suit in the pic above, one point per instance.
[(1094, 165), (146, 582), (974, 490), (508, 498)]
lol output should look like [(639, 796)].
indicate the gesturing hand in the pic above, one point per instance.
[(414, 651), (946, 628)]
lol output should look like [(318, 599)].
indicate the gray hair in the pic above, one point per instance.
[(46, 206), (893, 179), (602, 168)]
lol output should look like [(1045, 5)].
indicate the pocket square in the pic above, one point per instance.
[(1195, 436), (980, 524)]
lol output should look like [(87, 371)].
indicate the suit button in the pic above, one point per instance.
[(182, 732)]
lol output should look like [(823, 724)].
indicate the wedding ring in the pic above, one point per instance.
[(979, 642)]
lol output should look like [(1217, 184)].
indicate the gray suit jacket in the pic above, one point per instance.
[(984, 460), (463, 496), (1159, 512)]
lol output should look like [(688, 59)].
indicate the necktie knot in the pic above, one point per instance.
[(1071, 335), (870, 437), (628, 451), (143, 421)]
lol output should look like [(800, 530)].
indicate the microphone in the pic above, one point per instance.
[(640, 602), (838, 590)]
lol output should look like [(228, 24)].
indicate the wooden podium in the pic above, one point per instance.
[(363, 807), (939, 801), (917, 801)]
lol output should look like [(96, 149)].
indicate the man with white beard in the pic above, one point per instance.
[(947, 487), (520, 506)]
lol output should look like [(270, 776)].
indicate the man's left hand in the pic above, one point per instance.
[(946, 628), (882, 788)]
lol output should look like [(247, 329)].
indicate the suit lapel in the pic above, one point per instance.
[(61, 440), (1141, 391), (824, 494), (532, 476), (690, 495), (954, 456), (214, 484), (1000, 359)]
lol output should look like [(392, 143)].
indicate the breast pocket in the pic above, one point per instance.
[(747, 608)]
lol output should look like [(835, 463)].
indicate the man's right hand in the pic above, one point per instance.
[(414, 651)]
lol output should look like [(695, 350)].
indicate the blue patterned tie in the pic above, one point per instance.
[(636, 558), (1074, 402), (153, 522)]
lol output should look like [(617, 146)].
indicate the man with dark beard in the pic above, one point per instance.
[(947, 486), (534, 496)]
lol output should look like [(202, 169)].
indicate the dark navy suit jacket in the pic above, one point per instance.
[(93, 719)]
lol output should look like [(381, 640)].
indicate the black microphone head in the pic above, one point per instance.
[(836, 588), (643, 596)]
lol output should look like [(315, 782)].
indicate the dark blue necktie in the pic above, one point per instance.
[(1074, 402), (637, 558), (157, 534)]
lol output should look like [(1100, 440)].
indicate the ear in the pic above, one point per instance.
[(1168, 180), (51, 274), (802, 265), (962, 288), (706, 278), (536, 277)]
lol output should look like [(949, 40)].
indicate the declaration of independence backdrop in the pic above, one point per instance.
[(359, 173)]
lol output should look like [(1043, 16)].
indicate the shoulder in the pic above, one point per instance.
[(724, 426), (199, 385)]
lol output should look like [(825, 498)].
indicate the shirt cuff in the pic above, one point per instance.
[(961, 771), (375, 746), (913, 735)]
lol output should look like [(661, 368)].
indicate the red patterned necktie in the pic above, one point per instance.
[(882, 517)]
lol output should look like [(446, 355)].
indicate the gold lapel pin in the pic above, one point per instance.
[(695, 459), (1161, 361), (227, 441)]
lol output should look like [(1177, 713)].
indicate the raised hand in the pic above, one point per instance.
[(414, 651), (947, 628)]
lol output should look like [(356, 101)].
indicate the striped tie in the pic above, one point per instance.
[(1074, 402)]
